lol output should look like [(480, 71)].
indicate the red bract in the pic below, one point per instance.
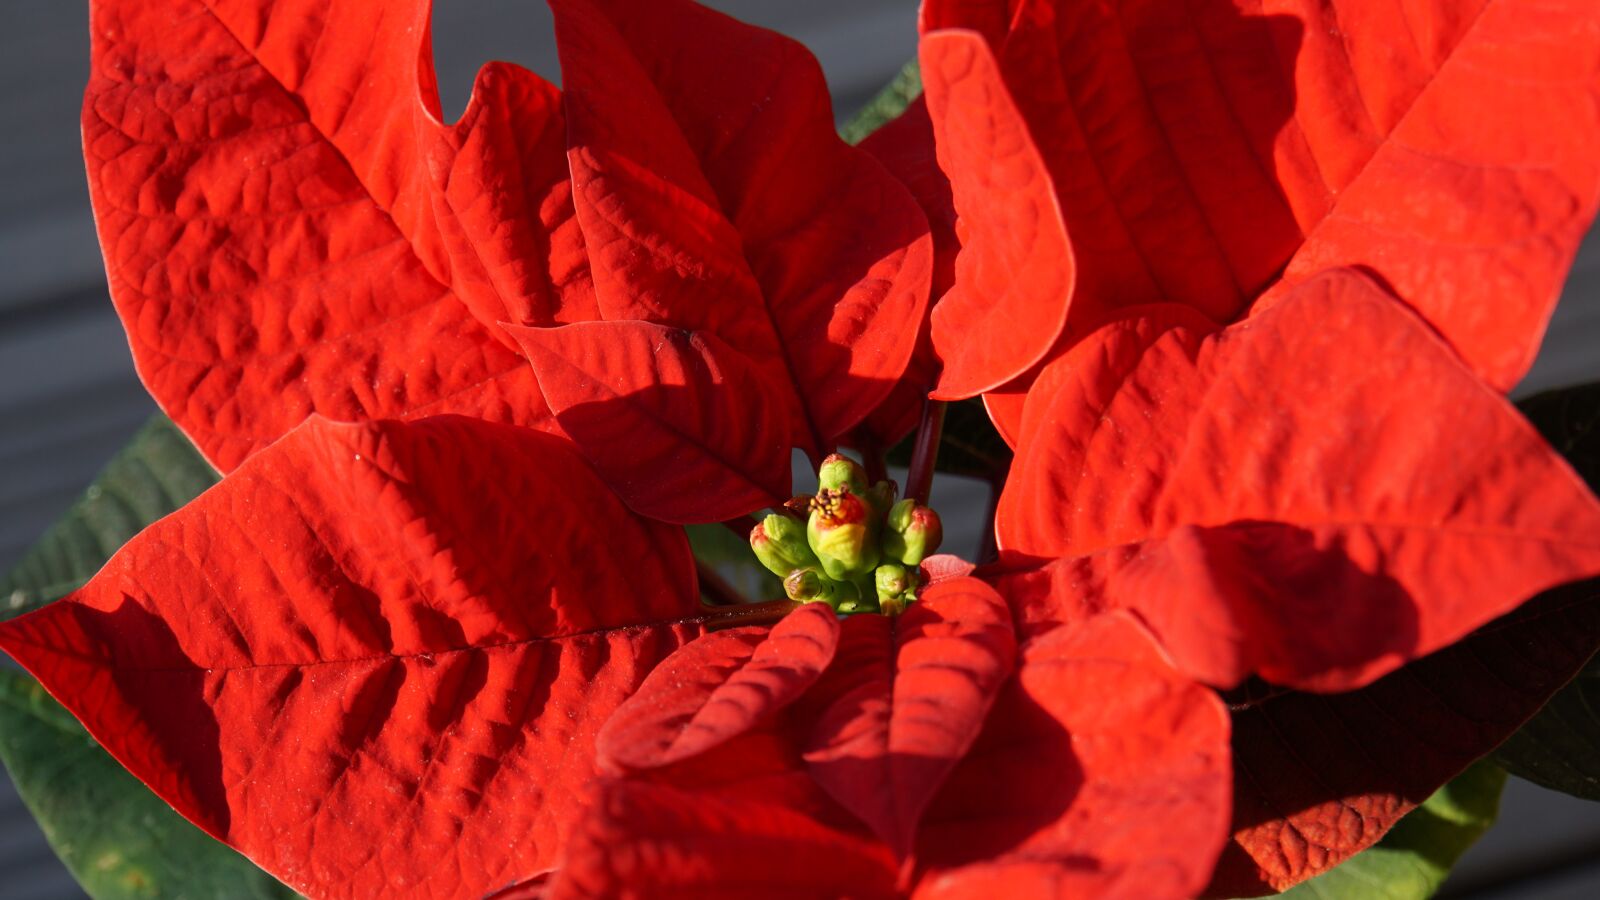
[(290, 228), (1215, 156), (913, 765), (1316, 495), (374, 658)]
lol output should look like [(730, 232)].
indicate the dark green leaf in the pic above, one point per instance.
[(889, 102), (157, 472), (1560, 747), (118, 838), (1417, 854)]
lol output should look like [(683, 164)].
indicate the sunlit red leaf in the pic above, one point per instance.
[(716, 688), (1015, 272), (660, 248), (1445, 145), (1101, 773), (840, 249), (903, 700), (1323, 777), (683, 427), (288, 227), (375, 654), (1343, 487), (905, 146)]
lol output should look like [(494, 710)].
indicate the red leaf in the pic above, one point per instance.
[(646, 839), (1323, 777), (289, 229), (1445, 145), (718, 687), (1441, 522), (840, 249), (683, 427), (905, 147), (1016, 270), (1101, 773), (660, 248), (368, 655), (903, 700)]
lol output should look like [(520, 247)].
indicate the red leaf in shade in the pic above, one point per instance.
[(840, 249), (1194, 154), (905, 147), (374, 654), (1407, 529), (289, 228), (903, 700), (718, 687), (1016, 270), (1321, 778), (683, 427), (1101, 773), (647, 839)]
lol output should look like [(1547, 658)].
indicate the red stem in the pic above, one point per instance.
[(920, 480), (749, 614)]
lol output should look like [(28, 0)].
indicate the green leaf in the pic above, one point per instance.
[(887, 104), (1560, 747), (157, 472), (732, 558), (1417, 854), (118, 839)]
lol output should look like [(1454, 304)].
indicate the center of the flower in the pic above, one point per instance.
[(849, 545)]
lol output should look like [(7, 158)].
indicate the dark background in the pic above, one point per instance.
[(69, 398)]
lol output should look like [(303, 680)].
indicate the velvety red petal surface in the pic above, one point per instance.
[(716, 688), (840, 249), (1016, 269), (645, 839), (1445, 145), (1101, 773), (682, 426), (903, 700), (288, 228), (905, 146), (660, 247), (375, 654), (1372, 484), (1320, 778)]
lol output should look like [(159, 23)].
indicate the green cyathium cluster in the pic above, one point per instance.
[(850, 546)]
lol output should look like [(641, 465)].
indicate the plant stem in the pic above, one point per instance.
[(926, 451), (716, 588), (749, 614)]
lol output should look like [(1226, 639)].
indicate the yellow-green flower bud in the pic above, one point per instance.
[(840, 471), (912, 533), (895, 587), (780, 543), (843, 533), (811, 586), (881, 497)]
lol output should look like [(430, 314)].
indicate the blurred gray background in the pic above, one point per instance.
[(69, 398)]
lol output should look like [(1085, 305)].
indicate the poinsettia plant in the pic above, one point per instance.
[(1241, 288)]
